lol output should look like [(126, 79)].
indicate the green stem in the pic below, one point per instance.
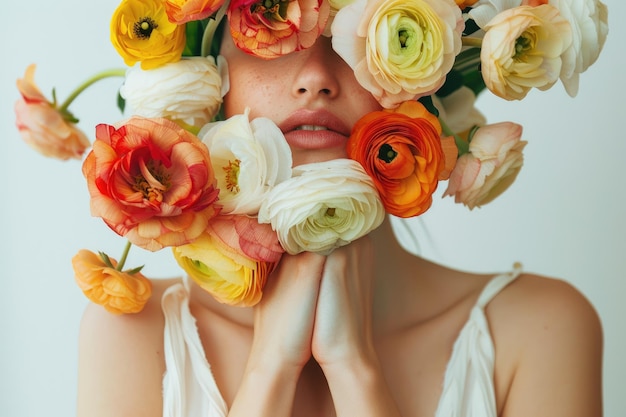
[(469, 41), (462, 145), (209, 32), (118, 72), (122, 261)]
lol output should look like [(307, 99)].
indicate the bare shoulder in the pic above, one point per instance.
[(121, 360), (548, 340)]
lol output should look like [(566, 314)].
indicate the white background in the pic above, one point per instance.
[(563, 217)]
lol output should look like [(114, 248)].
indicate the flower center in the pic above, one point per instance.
[(143, 27), (387, 153), (403, 36), (523, 44), (330, 212), (276, 9), (232, 175), (153, 188)]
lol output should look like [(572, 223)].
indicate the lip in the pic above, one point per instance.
[(336, 135)]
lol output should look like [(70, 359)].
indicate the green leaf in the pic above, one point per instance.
[(121, 103), (134, 270), (194, 31)]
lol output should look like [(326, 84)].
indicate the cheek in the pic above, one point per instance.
[(251, 90)]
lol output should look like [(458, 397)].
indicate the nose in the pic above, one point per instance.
[(317, 74)]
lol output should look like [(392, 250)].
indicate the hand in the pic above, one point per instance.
[(343, 318), (283, 320)]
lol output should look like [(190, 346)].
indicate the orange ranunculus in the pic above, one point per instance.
[(183, 11), (118, 292), (283, 27), (151, 181), (402, 150), (465, 3), (233, 259), (42, 126)]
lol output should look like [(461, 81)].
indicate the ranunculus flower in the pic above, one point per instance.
[(492, 164), (188, 90), (323, 206), (249, 158), (117, 291), (402, 150), (464, 3), (183, 11), (151, 181), (399, 49), (269, 29), (522, 48), (141, 32), (232, 260), (458, 110), (42, 126), (589, 20)]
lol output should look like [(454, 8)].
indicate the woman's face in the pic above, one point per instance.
[(311, 95)]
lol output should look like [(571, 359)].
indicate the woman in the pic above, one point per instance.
[(368, 330)]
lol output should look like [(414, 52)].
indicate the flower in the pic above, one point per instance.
[(522, 49), (249, 158), (459, 111), (232, 260), (589, 21), (44, 127), (269, 29), (323, 206), (403, 152), (118, 292), (492, 164), (188, 90), (183, 11), (141, 32), (399, 50), (465, 3), (151, 181)]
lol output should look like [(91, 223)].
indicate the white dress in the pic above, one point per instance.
[(189, 388)]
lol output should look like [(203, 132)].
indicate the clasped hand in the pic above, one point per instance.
[(317, 306)]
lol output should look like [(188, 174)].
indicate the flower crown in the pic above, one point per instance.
[(223, 194)]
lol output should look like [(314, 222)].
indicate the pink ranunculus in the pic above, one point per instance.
[(270, 32), (183, 11), (490, 167), (151, 181), (42, 126)]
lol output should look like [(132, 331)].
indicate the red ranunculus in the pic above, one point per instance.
[(284, 27), (402, 150), (151, 181)]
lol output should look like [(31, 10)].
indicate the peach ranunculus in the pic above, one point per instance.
[(117, 291), (523, 48), (269, 29), (141, 32), (589, 18), (324, 205), (402, 150), (188, 90), (233, 259), (151, 181), (44, 127), (494, 159), (399, 50), (183, 11)]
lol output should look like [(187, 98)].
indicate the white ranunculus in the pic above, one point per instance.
[(188, 90), (523, 48), (399, 49), (485, 10), (589, 21), (249, 158), (458, 110), (323, 206)]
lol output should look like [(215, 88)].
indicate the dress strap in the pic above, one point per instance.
[(496, 284), (189, 387)]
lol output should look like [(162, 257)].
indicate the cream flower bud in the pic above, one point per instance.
[(458, 110), (249, 158), (188, 90), (323, 206)]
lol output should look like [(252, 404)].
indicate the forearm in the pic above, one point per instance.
[(359, 388), (265, 390)]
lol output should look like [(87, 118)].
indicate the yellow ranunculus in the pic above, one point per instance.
[(141, 32), (523, 48)]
